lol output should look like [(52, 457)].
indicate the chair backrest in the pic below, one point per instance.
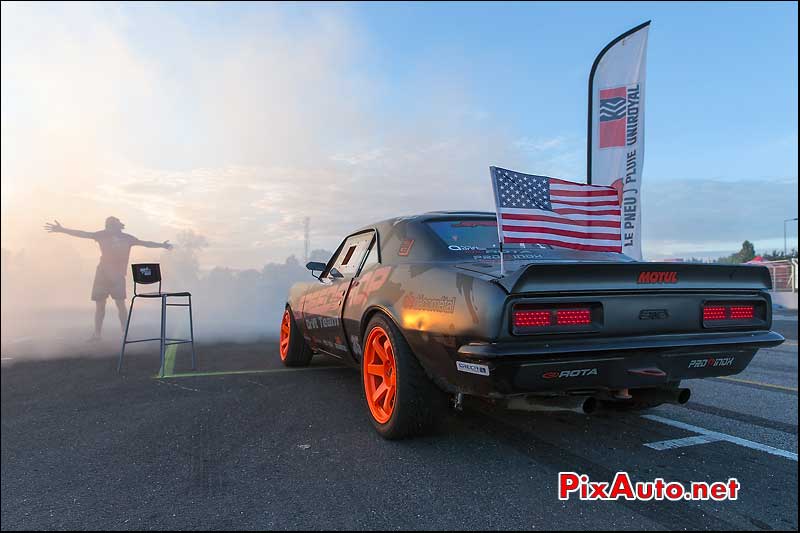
[(145, 274)]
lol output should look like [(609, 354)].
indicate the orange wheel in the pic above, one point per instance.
[(286, 330), (380, 374)]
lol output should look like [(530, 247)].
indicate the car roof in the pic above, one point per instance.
[(424, 217), (464, 213)]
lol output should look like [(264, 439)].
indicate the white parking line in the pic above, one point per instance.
[(719, 437), (681, 443)]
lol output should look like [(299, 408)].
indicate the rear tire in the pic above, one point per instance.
[(401, 401), (293, 349)]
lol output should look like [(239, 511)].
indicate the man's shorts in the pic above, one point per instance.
[(106, 285)]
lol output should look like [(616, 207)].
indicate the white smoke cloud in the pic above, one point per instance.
[(234, 128), (235, 133)]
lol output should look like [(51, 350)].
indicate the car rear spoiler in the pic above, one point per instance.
[(605, 276)]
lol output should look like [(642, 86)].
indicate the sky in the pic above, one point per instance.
[(237, 121)]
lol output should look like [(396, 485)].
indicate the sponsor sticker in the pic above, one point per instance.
[(356, 345), (435, 304), (465, 248), (657, 277), (472, 368), (580, 372), (405, 247), (711, 362)]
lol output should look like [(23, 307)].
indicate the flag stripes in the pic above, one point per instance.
[(541, 210)]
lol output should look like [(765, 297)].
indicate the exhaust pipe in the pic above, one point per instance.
[(579, 404), (662, 395)]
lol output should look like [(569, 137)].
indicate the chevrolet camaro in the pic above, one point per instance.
[(422, 307)]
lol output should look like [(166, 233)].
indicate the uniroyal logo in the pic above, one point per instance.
[(570, 373), (658, 277)]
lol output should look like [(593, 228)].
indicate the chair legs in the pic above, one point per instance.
[(163, 334), (163, 340), (125, 336), (191, 334)]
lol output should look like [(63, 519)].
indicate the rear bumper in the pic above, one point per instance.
[(516, 368)]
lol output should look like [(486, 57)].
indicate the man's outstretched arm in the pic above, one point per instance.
[(58, 228), (151, 244)]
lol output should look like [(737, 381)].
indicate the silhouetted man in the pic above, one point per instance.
[(109, 279)]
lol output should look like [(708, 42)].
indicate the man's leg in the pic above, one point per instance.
[(99, 315), (122, 311)]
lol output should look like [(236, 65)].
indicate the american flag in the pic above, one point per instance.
[(542, 210)]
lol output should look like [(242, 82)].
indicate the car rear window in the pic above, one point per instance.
[(478, 239), (464, 235)]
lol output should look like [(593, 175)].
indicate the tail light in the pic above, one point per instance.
[(714, 312), (742, 312), (533, 319), (572, 317), (528, 319), (722, 314)]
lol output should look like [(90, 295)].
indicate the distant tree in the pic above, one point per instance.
[(777, 255), (181, 262), (747, 253), (320, 255)]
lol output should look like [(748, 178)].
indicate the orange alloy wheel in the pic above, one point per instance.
[(286, 329), (380, 374)]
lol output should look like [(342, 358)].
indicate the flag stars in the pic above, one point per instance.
[(522, 190)]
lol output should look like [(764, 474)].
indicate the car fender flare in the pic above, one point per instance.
[(373, 310)]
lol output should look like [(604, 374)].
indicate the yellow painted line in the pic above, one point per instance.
[(169, 359), (246, 372), (750, 382)]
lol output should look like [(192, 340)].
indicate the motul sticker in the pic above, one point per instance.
[(658, 277), (472, 368)]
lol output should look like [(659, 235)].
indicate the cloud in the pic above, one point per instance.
[(237, 127), (538, 145), (237, 138), (705, 216), (240, 128), (359, 157)]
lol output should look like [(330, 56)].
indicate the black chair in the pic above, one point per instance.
[(147, 274)]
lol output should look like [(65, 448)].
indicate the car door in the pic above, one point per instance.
[(326, 321)]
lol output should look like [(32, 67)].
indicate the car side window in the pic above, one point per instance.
[(351, 254), (372, 256)]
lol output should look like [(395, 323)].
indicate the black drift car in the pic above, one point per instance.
[(420, 306)]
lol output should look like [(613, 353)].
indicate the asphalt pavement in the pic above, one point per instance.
[(248, 444)]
